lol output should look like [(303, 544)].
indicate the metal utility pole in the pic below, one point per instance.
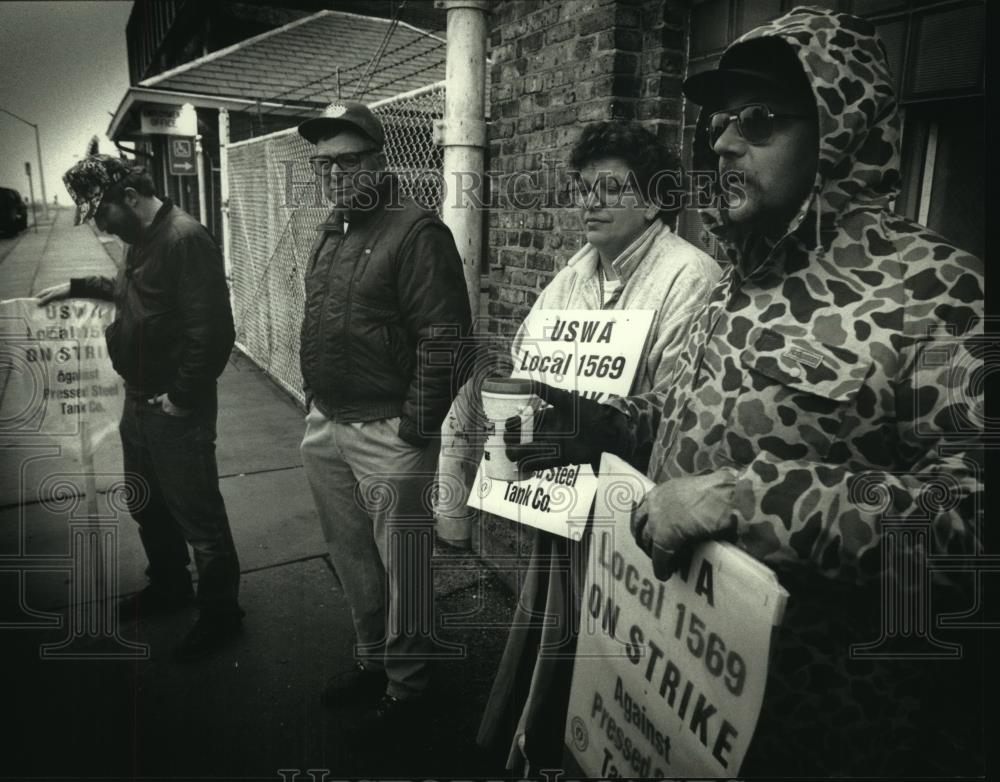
[(41, 175), (31, 195), (41, 172), (462, 133)]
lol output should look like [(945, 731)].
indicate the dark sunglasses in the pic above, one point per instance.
[(349, 161), (755, 122)]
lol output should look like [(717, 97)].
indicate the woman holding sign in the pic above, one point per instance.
[(625, 185)]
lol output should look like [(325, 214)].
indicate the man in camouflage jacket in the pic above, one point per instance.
[(826, 412)]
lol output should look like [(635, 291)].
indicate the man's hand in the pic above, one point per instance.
[(572, 430), (681, 512), (409, 433), (169, 407), (53, 293)]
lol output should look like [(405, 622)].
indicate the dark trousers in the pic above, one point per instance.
[(173, 483)]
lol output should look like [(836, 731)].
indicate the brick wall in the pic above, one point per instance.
[(556, 66)]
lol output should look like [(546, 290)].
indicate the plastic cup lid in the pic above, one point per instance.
[(507, 385)]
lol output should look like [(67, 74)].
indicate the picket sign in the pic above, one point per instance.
[(669, 675), (57, 387), (595, 353)]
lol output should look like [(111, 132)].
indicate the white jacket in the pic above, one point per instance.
[(659, 271)]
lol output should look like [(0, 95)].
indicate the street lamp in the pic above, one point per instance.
[(38, 147)]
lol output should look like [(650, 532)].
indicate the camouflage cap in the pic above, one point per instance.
[(88, 181)]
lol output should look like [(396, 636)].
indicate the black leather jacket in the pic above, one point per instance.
[(386, 316), (173, 328)]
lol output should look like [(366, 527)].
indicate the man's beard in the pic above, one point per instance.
[(129, 229), (736, 190)]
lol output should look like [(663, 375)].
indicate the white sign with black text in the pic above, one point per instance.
[(595, 353), (164, 120), (57, 389), (669, 675)]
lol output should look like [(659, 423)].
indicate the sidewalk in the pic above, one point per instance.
[(57, 252), (112, 705)]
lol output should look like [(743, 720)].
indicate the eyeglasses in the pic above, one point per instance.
[(349, 161), (755, 122), (604, 192), (583, 195)]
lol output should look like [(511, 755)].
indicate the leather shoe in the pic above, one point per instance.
[(357, 684)]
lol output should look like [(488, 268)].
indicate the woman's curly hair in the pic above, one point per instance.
[(656, 169)]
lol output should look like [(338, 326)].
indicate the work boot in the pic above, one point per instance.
[(209, 634), (408, 715), (354, 685), (155, 601)]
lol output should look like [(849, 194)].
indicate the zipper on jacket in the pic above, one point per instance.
[(326, 294)]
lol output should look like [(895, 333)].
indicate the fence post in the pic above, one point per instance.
[(199, 157), (227, 254)]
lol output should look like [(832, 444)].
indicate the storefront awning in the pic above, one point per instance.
[(126, 124)]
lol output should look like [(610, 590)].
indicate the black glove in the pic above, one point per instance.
[(573, 430)]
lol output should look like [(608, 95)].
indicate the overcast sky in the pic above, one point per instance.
[(63, 66)]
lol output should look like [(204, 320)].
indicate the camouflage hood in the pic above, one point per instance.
[(859, 128)]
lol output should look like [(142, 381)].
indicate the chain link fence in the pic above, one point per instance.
[(274, 207)]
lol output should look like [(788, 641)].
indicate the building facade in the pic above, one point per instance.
[(559, 65), (268, 65)]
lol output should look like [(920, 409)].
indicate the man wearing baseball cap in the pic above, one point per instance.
[(386, 314), (825, 394), (170, 340)]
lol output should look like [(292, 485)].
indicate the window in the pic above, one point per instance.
[(937, 53), (943, 168)]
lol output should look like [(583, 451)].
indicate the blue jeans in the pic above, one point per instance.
[(173, 483)]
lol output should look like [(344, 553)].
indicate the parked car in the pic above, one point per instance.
[(13, 212)]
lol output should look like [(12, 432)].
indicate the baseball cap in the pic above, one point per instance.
[(88, 181), (769, 63), (340, 115)]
